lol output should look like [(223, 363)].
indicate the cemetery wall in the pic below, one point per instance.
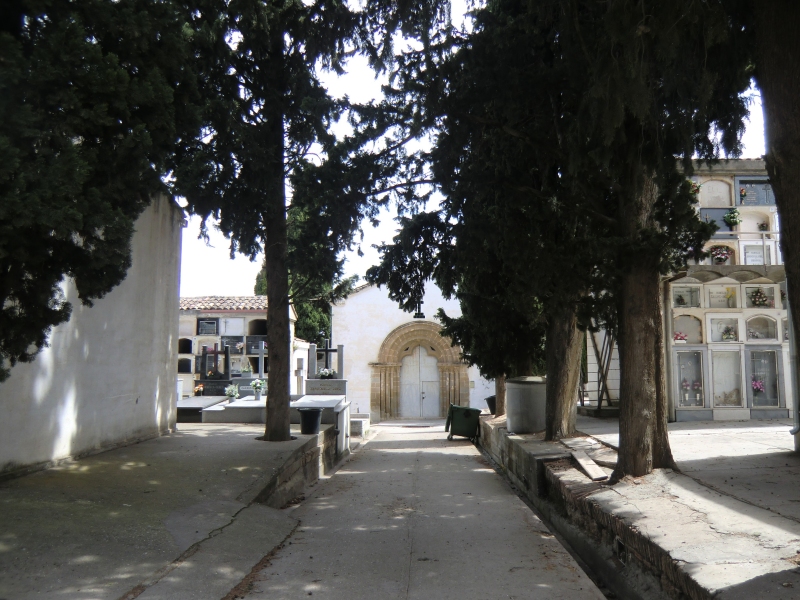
[(363, 321), (108, 376)]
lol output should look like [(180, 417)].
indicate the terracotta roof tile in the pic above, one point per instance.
[(224, 303)]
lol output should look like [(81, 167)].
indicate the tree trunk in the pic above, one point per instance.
[(500, 395), (564, 345), (777, 68), (279, 341), (643, 439), (278, 334)]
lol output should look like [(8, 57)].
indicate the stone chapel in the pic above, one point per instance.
[(398, 364)]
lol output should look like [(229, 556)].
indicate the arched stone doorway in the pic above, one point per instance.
[(419, 344)]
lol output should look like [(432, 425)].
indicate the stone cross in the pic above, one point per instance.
[(299, 374), (340, 361), (261, 346), (215, 353), (327, 350)]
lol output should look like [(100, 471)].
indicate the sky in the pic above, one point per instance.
[(207, 270)]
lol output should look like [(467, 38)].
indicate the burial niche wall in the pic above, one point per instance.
[(402, 342), (184, 346), (257, 327)]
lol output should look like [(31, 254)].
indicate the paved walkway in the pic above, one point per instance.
[(752, 461), (415, 516), (172, 517)]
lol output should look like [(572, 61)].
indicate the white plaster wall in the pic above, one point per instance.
[(109, 373), (362, 322), (483, 389)]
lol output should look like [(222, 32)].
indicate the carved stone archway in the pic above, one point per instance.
[(401, 342)]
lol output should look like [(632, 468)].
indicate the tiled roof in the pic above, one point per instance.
[(224, 303), (361, 287)]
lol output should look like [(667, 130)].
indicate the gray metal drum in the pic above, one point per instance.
[(525, 404)]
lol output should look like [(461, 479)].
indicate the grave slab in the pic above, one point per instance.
[(237, 411), (200, 402)]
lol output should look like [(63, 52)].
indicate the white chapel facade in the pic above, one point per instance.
[(398, 365)]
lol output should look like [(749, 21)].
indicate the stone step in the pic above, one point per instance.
[(359, 426)]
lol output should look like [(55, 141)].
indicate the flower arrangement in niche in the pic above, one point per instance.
[(742, 195), (759, 299), (729, 334), (697, 385), (679, 336), (239, 345), (198, 390), (732, 218), (758, 384), (327, 373), (720, 253), (763, 226), (685, 384), (694, 188), (730, 296), (232, 391)]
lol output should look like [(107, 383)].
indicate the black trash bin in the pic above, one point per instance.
[(462, 420), (491, 402), (309, 420)]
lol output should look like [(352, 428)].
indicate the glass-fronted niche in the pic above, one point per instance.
[(762, 329), (687, 329), (726, 373), (757, 254), (764, 380), (759, 296), (690, 379), (686, 296), (723, 296), (724, 330)]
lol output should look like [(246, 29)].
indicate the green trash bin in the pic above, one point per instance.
[(462, 420)]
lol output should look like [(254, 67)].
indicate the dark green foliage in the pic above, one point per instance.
[(267, 123), (313, 313), (551, 122), (89, 98)]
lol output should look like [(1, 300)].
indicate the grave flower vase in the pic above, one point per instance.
[(257, 394), (310, 419)]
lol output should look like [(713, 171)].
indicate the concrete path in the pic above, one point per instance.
[(415, 516), (170, 518)]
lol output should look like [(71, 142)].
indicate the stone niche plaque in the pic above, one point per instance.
[(326, 387)]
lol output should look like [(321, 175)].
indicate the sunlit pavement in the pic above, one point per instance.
[(752, 461), (413, 515)]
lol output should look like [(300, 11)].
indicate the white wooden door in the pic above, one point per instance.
[(419, 386)]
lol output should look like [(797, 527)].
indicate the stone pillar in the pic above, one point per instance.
[(300, 376), (385, 391), (312, 361)]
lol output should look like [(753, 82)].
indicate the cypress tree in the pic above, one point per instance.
[(94, 96)]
